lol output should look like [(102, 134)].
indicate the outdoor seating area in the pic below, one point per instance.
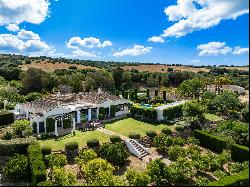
[(92, 125)]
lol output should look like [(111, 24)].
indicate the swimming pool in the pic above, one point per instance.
[(146, 105)]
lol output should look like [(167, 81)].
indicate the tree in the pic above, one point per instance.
[(193, 109), (191, 88), (157, 171), (33, 96), (21, 128), (118, 77), (136, 178)]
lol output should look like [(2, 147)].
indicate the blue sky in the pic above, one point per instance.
[(198, 32)]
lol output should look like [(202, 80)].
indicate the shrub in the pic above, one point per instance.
[(136, 178), (239, 153), (175, 152), (85, 155), (173, 112), (60, 177), (44, 136), (113, 109), (37, 166), (151, 134), (167, 131), (115, 139), (8, 135), (134, 136), (45, 183), (101, 117), (240, 179), (46, 150), (67, 124), (21, 128), (180, 128), (93, 143), (17, 168), (56, 160), (245, 113), (6, 118), (116, 154), (71, 146), (19, 145), (147, 113), (211, 142)]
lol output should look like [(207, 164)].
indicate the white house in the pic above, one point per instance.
[(73, 107)]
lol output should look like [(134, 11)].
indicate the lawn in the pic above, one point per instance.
[(80, 137), (129, 125), (212, 117)]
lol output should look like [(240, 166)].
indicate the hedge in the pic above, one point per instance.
[(93, 143), (165, 95), (211, 142), (173, 112), (66, 124), (151, 134), (6, 118), (113, 109), (50, 125), (240, 179), (126, 93), (102, 111), (37, 166), (71, 146), (19, 146), (134, 136), (115, 139), (149, 113), (239, 153)]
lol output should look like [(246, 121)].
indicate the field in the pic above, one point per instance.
[(164, 68), (129, 125), (237, 68), (45, 66), (80, 137)]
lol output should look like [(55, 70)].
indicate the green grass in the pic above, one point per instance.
[(80, 137), (129, 125), (212, 117)]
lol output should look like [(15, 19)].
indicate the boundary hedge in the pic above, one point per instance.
[(240, 153), (240, 179), (18, 145), (173, 112), (147, 113), (37, 166), (6, 118)]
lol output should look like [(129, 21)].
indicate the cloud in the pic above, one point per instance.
[(214, 49), (12, 27), (28, 35), (239, 51), (156, 39), (195, 15), (19, 11), (81, 53), (91, 42), (195, 61), (135, 51)]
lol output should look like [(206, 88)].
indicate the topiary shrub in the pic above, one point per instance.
[(134, 136), (44, 136), (92, 143), (46, 150), (151, 134), (6, 118), (115, 139), (239, 153), (71, 149), (167, 131)]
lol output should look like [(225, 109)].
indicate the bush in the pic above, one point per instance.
[(173, 112), (116, 154), (180, 128), (93, 143), (56, 160), (19, 145), (134, 136), (115, 139), (151, 134), (45, 183), (136, 178), (22, 129), (147, 113), (85, 155), (245, 113), (71, 146), (101, 117), (240, 179), (46, 150), (17, 168), (6, 118), (239, 153), (167, 131), (37, 166), (44, 136), (8, 135), (175, 152), (211, 142), (113, 109)]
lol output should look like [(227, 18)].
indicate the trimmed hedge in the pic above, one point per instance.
[(134, 136), (6, 118), (167, 131), (239, 153), (101, 112), (113, 109), (19, 146), (240, 179), (93, 143), (173, 112), (148, 113), (46, 150), (115, 139), (151, 134), (211, 142), (71, 146), (37, 166)]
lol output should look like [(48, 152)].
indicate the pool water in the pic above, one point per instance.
[(146, 105)]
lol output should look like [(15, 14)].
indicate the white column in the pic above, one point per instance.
[(78, 116), (37, 127), (56, 133), (27, 114), (89, 114), (97, 112), (62, 123), (74, 124), (31, 123), (45, 124)]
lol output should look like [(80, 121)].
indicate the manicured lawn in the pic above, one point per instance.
[(212, 117), (129, 125), (80, 137)]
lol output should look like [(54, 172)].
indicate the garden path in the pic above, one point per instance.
[(108, 132)]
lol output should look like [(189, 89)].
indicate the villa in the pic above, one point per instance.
[(60, 111)]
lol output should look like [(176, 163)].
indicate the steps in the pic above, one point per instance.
[(146, 142), (136, 148)]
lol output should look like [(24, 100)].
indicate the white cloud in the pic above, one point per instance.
[(190, 18), (195, 61), (239, 51), (91, 42), (214, 49), (81, 53), (19, 11), (135, 51), (9, 42), (28, 35), (156, 39), (12, 27)]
